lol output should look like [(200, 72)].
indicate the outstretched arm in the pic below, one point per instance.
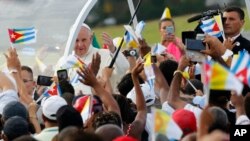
[(139, 123), (174, 91), (161, 84), (13, 63)]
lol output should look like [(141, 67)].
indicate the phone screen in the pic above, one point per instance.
[(170, 29), (62, 75), (187, 35), (153, 59), (44, 80), (195, 56), (195, 45)]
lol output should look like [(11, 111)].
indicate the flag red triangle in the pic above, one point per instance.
[(216, 27), (53, 91), (242, 75), (14, 35)]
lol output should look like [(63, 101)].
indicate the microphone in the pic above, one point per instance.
[(195, 18), (204, 14)]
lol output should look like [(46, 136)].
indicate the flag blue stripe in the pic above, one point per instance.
[(209, 23), (59, 91), (46, 94), (237, 64), (29, 33), (25, 39), (23, 29), (218, 34)]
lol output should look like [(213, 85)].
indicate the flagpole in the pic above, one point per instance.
[(120, 45), (191, 84), (132, 11)]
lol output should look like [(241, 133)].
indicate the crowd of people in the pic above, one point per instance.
[(121, 97)]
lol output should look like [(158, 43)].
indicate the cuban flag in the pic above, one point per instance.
[(22, 35), (241, 67), (211, 27)]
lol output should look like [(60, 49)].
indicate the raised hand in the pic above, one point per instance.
[(87, 77), (107, 40), (137, 69), (95, 63), (184, 62), (191, 71), (229, 43), (13, 61), (215, 48), (143, 48)]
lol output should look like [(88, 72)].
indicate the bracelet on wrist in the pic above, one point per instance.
[(177, 71)]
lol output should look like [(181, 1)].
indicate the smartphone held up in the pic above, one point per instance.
[(44, 80)]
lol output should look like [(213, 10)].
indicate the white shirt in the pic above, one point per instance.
[(47, 134), (121, 66)]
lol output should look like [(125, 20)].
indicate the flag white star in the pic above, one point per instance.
[(13, 36)]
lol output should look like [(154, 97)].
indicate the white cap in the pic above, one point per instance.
[(51, 105), (86, 26), (147, 92)]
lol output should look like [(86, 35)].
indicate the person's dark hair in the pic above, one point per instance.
[(27, 68), (166, 20), (220, 119), (67, 116), (25, 138), (190, 90), (14, 108), (167, 68), (75, 134), (126, 84), (237, 10), (127, 114), (103, 118), (68, 97), (219, 97), (113, 131), (15, 127), (65, 86), (47, 119)]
